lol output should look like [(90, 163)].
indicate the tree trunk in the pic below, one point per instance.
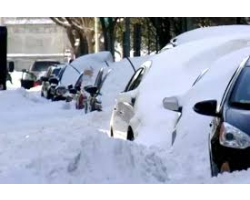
[(83, 47), (108, 34), (127, 38)]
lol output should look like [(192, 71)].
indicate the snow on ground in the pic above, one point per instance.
[(57, 144), (49, 142)]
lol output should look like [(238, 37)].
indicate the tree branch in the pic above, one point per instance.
[(60, 22)]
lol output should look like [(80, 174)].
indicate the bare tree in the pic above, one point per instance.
[(80, 31), (108, 30)]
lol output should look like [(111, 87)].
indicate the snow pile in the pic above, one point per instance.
[(54, 145)]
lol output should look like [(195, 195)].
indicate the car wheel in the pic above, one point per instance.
[(213, 166), (49, 96), (130, 135), (86, 107)]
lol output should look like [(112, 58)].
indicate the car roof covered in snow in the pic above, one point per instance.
[(208, 32), (91, 61)]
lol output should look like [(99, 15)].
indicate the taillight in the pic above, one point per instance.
[(37, 83)]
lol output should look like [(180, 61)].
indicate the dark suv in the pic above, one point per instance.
[(230, 127)]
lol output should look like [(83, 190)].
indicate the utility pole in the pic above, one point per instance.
[(96, 35)]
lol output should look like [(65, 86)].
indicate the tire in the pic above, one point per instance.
[(86, 107), (49, 96), (130, 135)]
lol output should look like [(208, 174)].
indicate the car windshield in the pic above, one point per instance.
[(241, 91), (43, 65)]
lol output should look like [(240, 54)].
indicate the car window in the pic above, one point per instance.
[(56, 71), (43, 65), (241, 91), (61, 72), (131, 85), (200, 76)]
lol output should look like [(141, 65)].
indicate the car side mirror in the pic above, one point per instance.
[(24, 70), (53, 80), (172, 103), (11, 66), (72, 91), (208, 108), (70, 87), (44, 79)]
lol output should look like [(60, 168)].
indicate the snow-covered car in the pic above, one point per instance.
[(191, 133), (91, 62), (86, 95), (72, 72), (124, 109), (230, 131), (50, 81), (172, 73)]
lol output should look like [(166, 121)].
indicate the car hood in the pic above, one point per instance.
[(238, 118)]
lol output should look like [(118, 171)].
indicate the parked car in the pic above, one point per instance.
[(230, 130), (138, 112), (31, 77), (192, 133), (88, 96), (50, 81), (124, 108)]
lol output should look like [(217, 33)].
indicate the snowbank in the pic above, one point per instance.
[(51, 144)]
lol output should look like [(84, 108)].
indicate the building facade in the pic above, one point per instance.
[(31, 39)]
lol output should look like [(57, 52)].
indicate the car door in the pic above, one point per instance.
[(124, 108)]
